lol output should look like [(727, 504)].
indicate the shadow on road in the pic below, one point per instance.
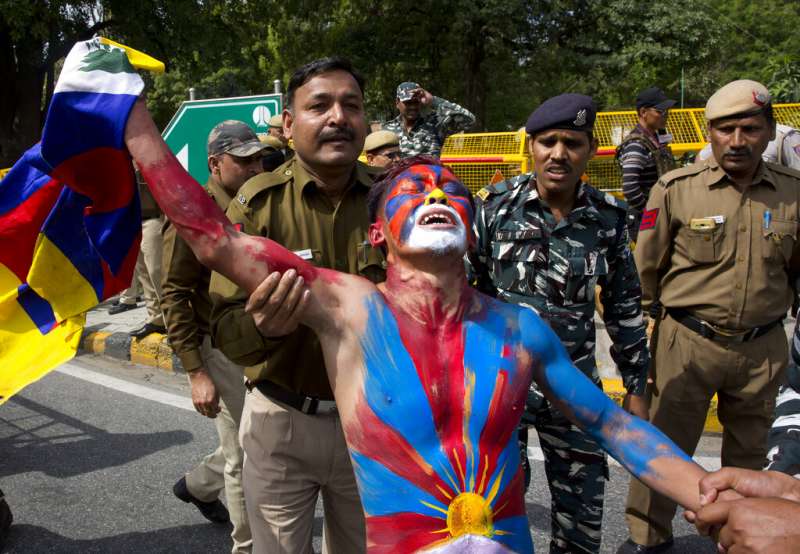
[(33, 436), (186, 538)]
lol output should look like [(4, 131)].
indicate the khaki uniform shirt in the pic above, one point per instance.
[(728, 257), (287, 207), (185, 300)]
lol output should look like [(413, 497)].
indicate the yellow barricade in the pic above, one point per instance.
[(478, 157)]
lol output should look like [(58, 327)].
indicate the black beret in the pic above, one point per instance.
[(565, 111)]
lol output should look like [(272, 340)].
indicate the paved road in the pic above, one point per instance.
[(89, 468)]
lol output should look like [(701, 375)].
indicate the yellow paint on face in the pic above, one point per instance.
[(469, 514)]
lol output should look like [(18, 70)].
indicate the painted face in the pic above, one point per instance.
[(429, 208)]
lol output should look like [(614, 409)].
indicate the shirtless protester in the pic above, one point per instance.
[(430, 377)]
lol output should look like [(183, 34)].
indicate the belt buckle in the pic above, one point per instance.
[(309, 405)]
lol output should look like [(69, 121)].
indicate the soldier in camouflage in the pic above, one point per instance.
[(544, 241), (425, 120)]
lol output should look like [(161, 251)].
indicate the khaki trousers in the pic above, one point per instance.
[(223, 467), (688, 370), (291, 457), (147, 274)]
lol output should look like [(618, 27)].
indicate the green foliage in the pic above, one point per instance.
[(499, 58)]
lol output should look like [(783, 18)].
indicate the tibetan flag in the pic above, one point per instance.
[(64, 249)]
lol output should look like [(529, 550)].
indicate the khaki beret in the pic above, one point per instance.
[(737, 97), (271, 142), (379, 139), (276, 120)]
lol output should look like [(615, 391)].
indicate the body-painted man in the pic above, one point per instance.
[(430, 377)]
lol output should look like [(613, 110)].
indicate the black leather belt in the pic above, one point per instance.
[(719, 334), (306, 404)]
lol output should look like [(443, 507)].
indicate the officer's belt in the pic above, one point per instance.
[(719, 334), (306, 404)]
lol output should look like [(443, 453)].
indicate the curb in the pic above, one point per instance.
[(154, 350)]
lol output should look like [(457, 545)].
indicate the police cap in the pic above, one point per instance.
[(566, 111), (379, 139), (276, 121), (743, 97)]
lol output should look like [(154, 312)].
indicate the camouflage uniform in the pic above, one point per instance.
[(429, 131), (523, 256), (784, 436)]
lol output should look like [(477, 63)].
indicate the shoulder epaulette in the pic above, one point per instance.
[(671, 177), (782, 169), (264, 181), (501, 187)]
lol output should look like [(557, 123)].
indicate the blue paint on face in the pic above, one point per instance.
[(373, 482), (408, 194)]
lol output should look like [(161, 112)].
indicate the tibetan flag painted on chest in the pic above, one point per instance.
[(65, 249)]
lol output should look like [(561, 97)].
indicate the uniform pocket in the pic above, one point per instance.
[(513, 265), (582, 275), (704, 245), (779, 240)]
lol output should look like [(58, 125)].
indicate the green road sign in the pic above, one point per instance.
[(188, 130)]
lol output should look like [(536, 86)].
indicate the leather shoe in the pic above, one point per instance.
[(214, 511), (120, 307), (146, 329), (630, 547)]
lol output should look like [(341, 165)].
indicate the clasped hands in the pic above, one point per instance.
[(749, 511)]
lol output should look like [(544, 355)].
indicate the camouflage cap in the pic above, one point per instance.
[(235, 138), (405, 91), (276, 121), (379, 139), (743, 97)]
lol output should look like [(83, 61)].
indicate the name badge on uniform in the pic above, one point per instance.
[(526, 234), (718, 219), (702, 223), (305, 254)]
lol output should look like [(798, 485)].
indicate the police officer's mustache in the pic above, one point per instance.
[(343, 133), (738, 152)]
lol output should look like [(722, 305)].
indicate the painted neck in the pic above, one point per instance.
[(434, 293)]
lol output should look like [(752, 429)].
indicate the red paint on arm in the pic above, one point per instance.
[(404, 532), (246, 260)]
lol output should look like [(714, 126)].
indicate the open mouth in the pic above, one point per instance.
[(437, 217)]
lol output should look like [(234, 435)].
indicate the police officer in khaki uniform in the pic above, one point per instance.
[(234, 156), (718, 250), (382, 148), (314, 205)]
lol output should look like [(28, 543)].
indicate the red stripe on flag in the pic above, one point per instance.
[(649, 219)]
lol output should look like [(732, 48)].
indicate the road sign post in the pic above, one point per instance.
[(188, 130)]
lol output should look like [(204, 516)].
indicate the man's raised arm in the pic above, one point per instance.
[(246, 260), (641, 448)]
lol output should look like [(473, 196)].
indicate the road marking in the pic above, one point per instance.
[(121, 385), (709, 463)]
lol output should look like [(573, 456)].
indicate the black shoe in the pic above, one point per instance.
[(119, 307), (214, 511), (630, 547), (146, 329)]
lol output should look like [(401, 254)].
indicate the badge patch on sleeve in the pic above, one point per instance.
[(649, 219)]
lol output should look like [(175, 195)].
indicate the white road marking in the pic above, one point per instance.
[(709, 463), (121, 385)]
